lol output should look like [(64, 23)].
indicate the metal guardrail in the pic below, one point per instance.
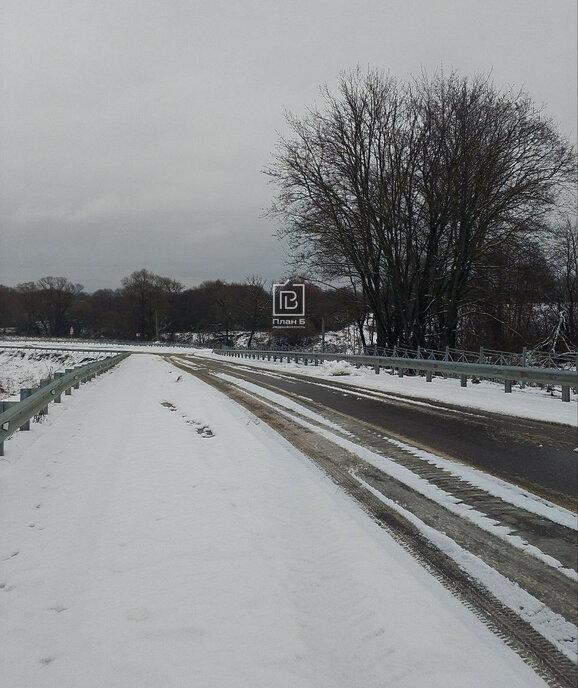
[(90, 344), (35, 401), (57, 349), (525, 358), (133, 348), (509, 374)]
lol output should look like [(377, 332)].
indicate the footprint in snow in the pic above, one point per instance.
[(202, 429), (58, 608), (138, 614)]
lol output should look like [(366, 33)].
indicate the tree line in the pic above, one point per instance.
[(150, 307), (441, 202), (527, 299)]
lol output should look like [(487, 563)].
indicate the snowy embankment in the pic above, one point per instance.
[(26, 367), (530, 402), (154, 533)]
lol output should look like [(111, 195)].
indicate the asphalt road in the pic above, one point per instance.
[(535, 455)]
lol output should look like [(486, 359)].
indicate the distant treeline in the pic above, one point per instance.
[(150, 307), (528, 300)]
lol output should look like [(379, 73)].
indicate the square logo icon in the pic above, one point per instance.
[(288, 300)]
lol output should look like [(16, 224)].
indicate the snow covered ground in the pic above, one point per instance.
[(530, 402), (154, 533), (561, 633), (26, 367)]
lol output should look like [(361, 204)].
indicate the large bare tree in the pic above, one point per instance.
[(47, 303), (152, 302), (404, 187)]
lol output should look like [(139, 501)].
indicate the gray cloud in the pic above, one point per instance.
[(133, 132)]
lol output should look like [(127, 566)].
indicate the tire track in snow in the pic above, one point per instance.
[(548, 661)]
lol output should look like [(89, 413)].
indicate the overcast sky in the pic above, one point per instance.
[(133, 132)]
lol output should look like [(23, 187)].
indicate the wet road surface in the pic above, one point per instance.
[(536, 455)]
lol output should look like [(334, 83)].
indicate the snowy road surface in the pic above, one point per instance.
[(155, 534)]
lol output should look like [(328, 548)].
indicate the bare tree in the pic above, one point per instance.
[(405, 187), (563, 253), (256, 304), (46, 304), (152, 299)]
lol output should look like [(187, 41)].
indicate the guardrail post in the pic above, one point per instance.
[(377, 368), (565, 393), (400, 372), (24, 394), (68, 392), (508, 386), (305, 361), (464, 380), (316, 361), (524, 356), (428, 375), (77, 383)]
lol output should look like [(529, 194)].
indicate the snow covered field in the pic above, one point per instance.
[(154, 533), (530, 402), (26, 367)]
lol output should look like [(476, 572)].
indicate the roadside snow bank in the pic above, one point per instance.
[(337, 368), (26, 367)]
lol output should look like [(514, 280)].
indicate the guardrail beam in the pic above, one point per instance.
[(566, 379), (35, 401)]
